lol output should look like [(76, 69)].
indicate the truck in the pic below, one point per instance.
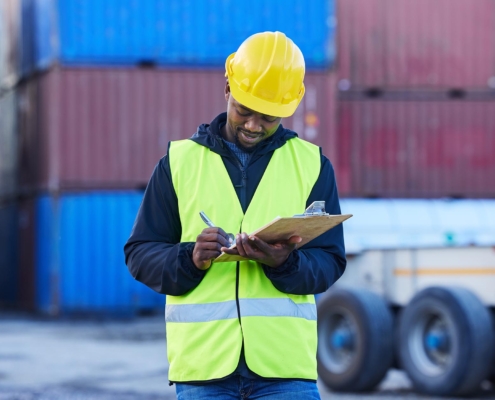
[(418, 294)]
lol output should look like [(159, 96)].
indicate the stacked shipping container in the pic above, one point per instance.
[(9, 289), (78, 240), (416, 119), (417, 99), (68, 144), (187, 33), (9, 12), (8, 145), (106, 86), (392, 44), (417, 149)]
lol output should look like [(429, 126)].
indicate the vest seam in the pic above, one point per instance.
[(237, 296)]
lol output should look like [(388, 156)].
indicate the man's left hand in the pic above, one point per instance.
[(253, 248)]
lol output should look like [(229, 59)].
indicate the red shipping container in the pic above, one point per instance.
[(417, 149), (107, 128), (315, 119), (416, 44)]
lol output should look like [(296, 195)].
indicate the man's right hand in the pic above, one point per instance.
[(208, 245)]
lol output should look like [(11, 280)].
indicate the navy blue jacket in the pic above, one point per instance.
[(156, 257)]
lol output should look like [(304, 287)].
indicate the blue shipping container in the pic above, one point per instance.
[(79, 255), (8, 253), (38, 35), (190, 33)]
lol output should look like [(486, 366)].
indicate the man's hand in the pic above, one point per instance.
[(253, 248), (208, 245)]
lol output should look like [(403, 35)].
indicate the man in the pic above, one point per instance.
[(244, 329)]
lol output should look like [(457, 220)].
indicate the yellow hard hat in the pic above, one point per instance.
[(266, 74)]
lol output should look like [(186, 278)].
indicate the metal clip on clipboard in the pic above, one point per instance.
[(316, 209)]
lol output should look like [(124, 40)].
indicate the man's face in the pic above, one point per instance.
[(246, 127)]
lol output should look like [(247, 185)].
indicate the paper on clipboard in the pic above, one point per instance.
[(308, 227)]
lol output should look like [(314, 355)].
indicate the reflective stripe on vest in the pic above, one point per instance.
[(205, 333), (249, 308)]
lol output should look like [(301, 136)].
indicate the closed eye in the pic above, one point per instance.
[(269, 118)]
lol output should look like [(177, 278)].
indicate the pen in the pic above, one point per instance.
[(206, 220), (210, 223)]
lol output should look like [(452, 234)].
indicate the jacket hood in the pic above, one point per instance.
[(208, 135)]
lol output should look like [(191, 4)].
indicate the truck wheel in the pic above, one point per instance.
[(446, 341), (355, 339)]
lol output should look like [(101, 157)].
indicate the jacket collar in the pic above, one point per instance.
[(208, 135)]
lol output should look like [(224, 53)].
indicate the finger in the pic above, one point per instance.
[(222, 237), (232, 251), (223, 233), (250, 248), (216, 230), (209, 230), (261, 245), (202, 246), (212, 237), (204, 265), (209, 255), (205, 251), (208, 247), (204, 258), (240, 242), (295, 239)]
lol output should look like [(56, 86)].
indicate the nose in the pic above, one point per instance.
[(253, 124)]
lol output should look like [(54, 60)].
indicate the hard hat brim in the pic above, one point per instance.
[(263, 106)]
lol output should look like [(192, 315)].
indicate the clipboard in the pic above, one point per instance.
[(309, 225)]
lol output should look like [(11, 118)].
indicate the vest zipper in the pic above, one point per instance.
[(243, 188), (243, 206), (237, 293)]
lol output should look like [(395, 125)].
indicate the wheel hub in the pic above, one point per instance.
[(339, 331), (342, 339), (431, 344)]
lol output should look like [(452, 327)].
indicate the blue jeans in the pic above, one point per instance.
[(239, 388)]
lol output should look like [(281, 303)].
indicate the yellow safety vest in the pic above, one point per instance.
[(235, 302)]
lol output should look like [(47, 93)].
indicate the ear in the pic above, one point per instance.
[(227, 91)]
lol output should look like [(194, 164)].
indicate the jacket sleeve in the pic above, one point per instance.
[(320, 263), (153, 252)]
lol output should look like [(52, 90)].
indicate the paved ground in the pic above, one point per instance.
[(103, 360)]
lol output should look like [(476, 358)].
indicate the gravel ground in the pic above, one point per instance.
[(101, 360)]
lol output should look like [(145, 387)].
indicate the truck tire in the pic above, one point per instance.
[(446, 341), (355, 340)]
